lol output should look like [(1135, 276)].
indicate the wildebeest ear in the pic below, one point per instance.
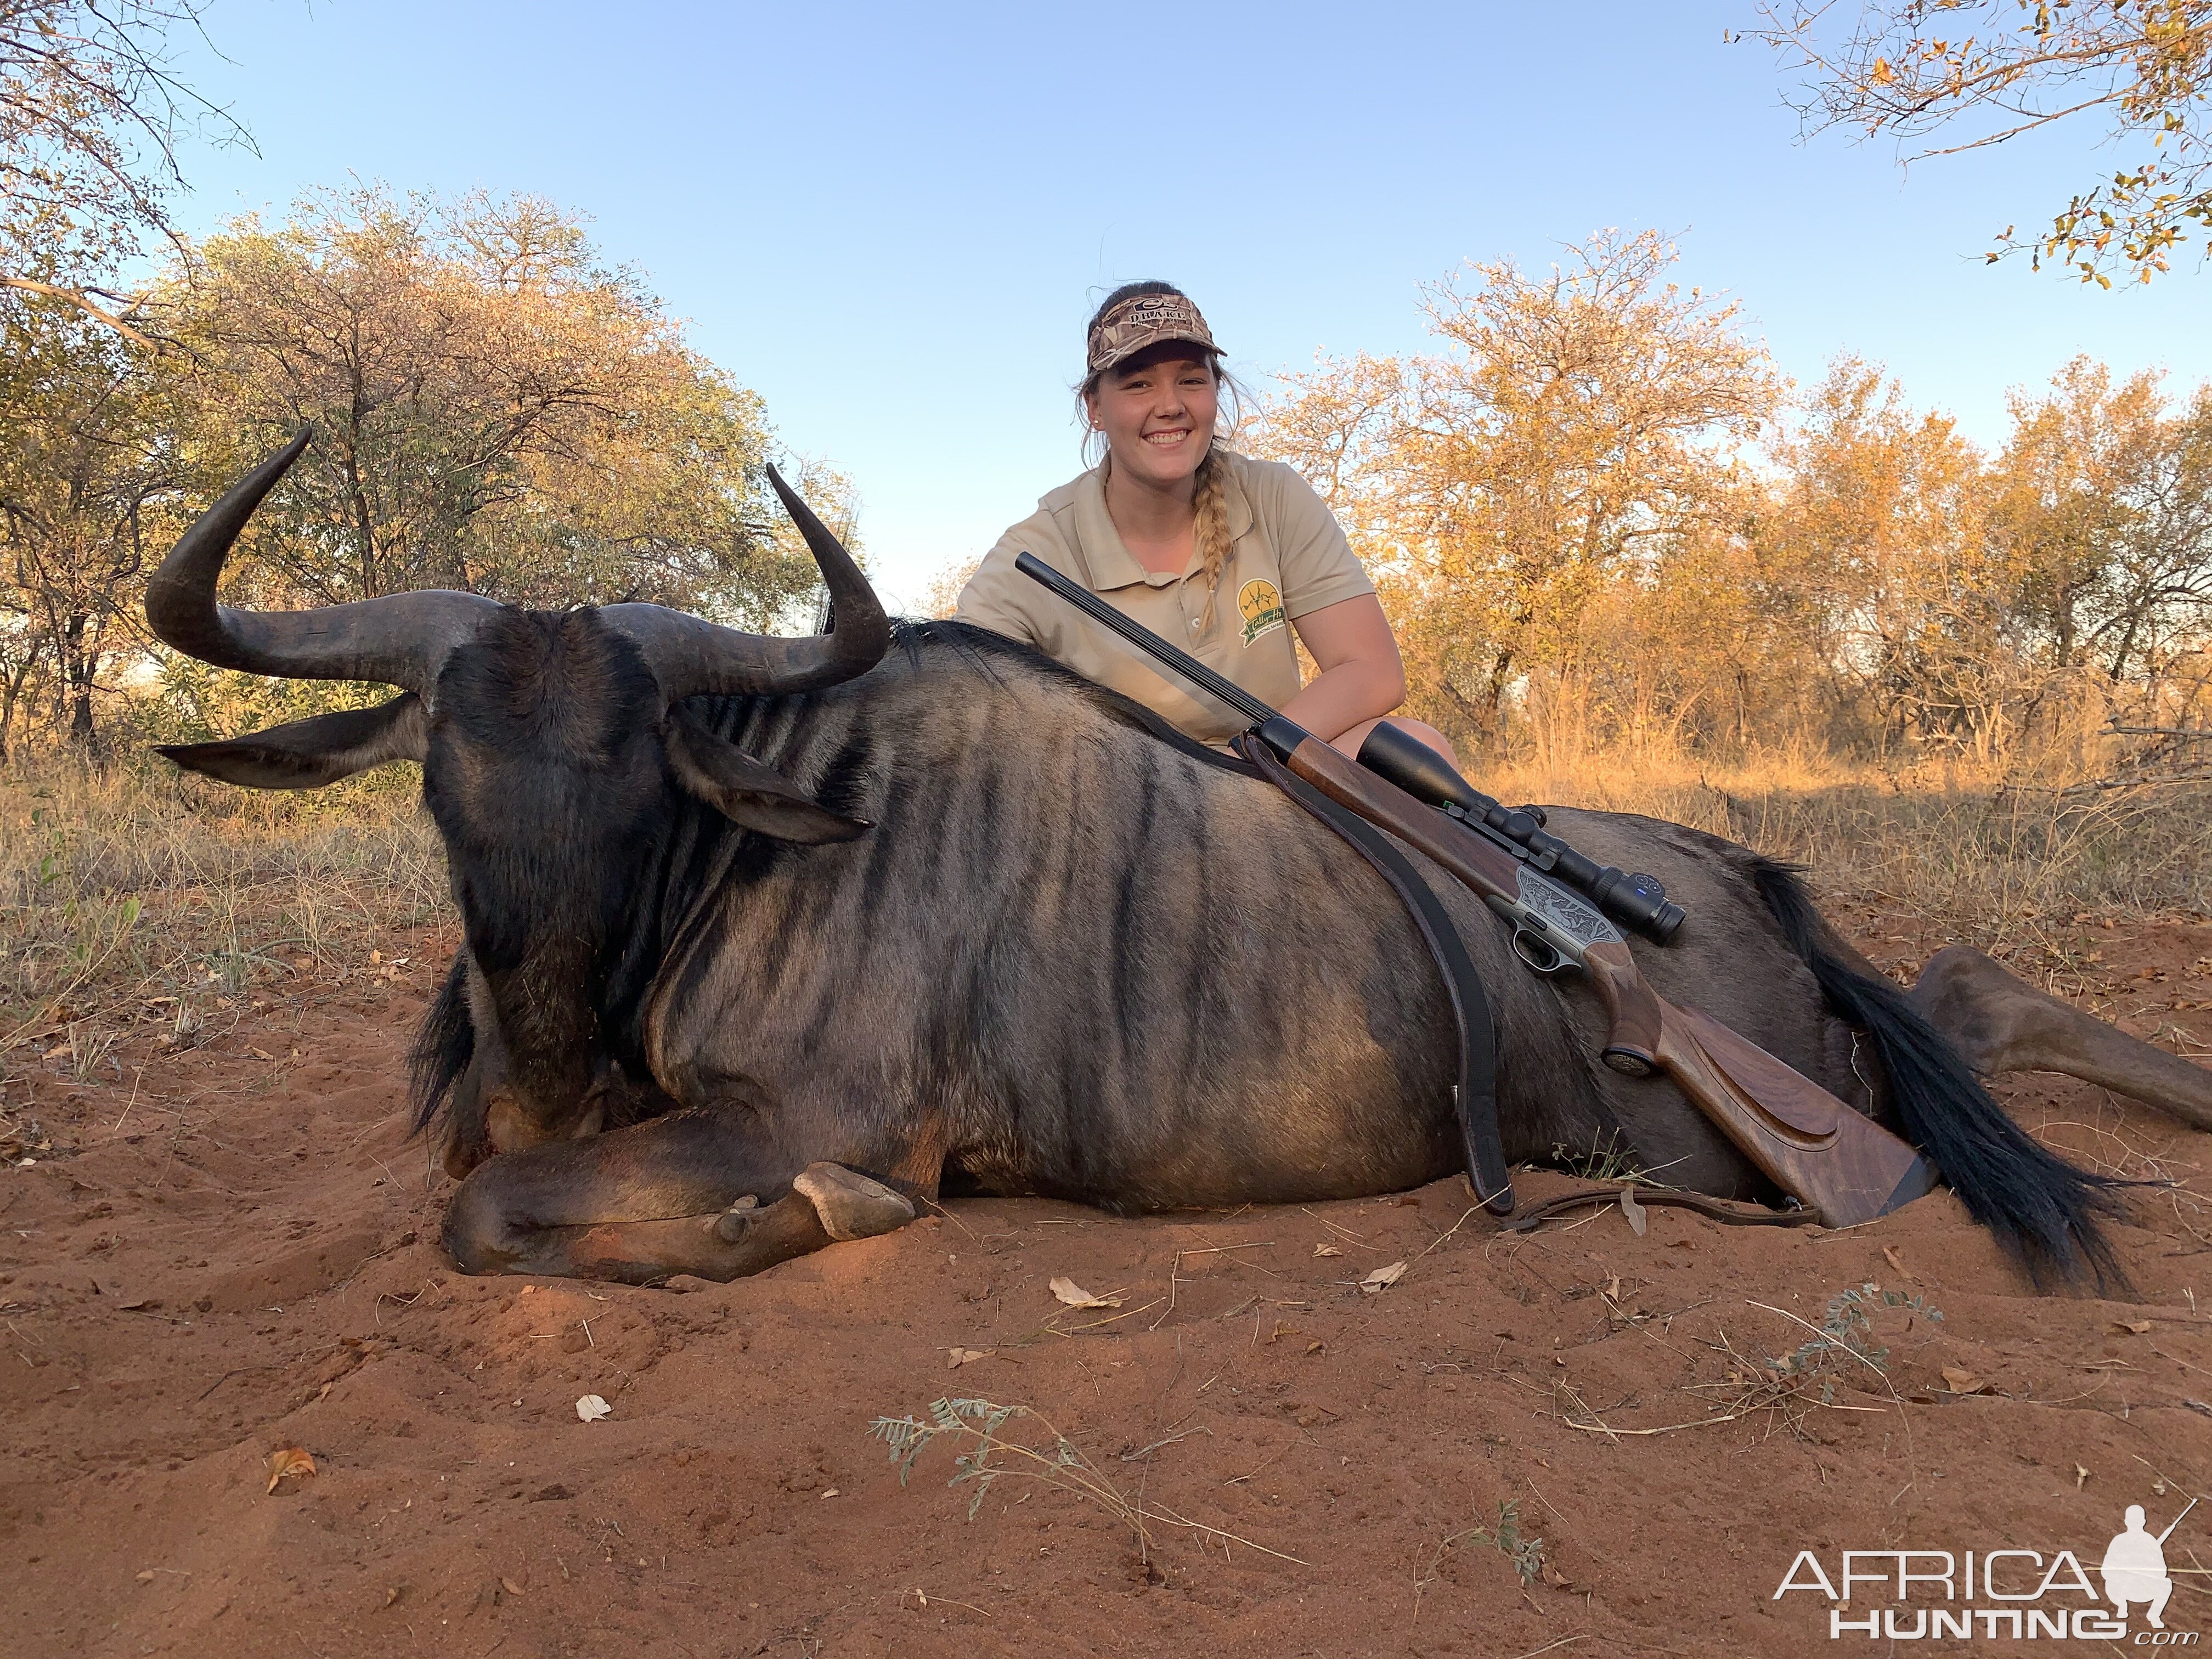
[(307, 754), (744, 791)]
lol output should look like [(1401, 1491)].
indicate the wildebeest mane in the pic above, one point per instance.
[(982, 649)]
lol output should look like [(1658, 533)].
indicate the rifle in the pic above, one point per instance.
[(1811, 1145)]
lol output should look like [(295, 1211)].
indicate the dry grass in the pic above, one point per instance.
[(1976, 854), (140, 895)]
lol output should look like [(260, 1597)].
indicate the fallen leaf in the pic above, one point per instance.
[(259, 1053), (292, 1460), (829, 1491), (147, 1576), (1959, 1380), (1076, 1297), (1327, 1250), (2126, 1327), (1383, 1278), (1554, 1577), (1632, 1210), (2080, 1475), (1897, 1264), (956, 1358), (510, 1587), (1612, 1288), (591, 1408)]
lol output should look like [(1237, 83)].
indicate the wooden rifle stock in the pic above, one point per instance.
[(1801, 1137)]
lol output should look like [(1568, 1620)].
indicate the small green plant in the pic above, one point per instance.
[(1846, 1332), (1527, 1554), (977, 1423)]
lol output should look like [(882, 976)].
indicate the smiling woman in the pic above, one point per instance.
[(1223, 554)]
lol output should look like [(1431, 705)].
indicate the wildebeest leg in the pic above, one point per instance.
[(2001, 1025), (669, 1196)]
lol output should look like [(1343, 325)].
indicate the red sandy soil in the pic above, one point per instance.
[(232, 1250)]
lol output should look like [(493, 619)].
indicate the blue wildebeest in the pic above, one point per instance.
[(764, 937)]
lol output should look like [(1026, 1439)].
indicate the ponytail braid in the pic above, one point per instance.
[(1211, 503)]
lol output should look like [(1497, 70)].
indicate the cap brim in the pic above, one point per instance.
[(1122, 353)]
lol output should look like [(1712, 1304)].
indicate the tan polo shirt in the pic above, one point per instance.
[(1288, 556)]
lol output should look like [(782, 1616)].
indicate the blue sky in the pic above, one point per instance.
[(892, 220)]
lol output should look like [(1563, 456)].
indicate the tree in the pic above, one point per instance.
[(1942, 77), (90, 476), (1577, 427), (2104, 499), (1877, 545), (493, 412), (90, 118)]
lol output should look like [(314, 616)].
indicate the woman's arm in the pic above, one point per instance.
[(1361, 676)]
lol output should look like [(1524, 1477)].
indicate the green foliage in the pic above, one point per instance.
[(1526, 1553), (977, 1423), (1847, 1333)]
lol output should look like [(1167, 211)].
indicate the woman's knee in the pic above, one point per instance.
[(1419, 731), (1423, 732)]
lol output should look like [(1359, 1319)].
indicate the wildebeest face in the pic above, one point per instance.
[(554, 745)]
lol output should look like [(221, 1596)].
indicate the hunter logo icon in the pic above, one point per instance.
[(2134, 1568), (1262, 608)]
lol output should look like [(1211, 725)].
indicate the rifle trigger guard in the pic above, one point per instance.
[(1535, 952)]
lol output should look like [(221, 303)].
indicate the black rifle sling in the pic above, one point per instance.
[(1475, 1098)]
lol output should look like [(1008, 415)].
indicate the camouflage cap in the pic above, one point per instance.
[(1145, 320)]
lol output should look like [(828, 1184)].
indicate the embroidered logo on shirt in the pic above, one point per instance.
[(1263, 607)]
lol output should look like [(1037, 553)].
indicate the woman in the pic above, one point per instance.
[(1224, 554)]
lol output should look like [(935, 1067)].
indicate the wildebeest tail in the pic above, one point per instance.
[(2042, 1209), (443, 1049)]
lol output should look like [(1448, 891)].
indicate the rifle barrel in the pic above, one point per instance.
[(1145, 640)]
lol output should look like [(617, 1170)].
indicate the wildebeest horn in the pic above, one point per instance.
[(400, 639), (694, 658)]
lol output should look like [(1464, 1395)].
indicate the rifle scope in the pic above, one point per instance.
[(1637, 900)]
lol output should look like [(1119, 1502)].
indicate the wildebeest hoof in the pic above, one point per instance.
[(852, 1205), (731, 1225)]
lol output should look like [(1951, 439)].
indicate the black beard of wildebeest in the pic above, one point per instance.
[(951, 916)]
